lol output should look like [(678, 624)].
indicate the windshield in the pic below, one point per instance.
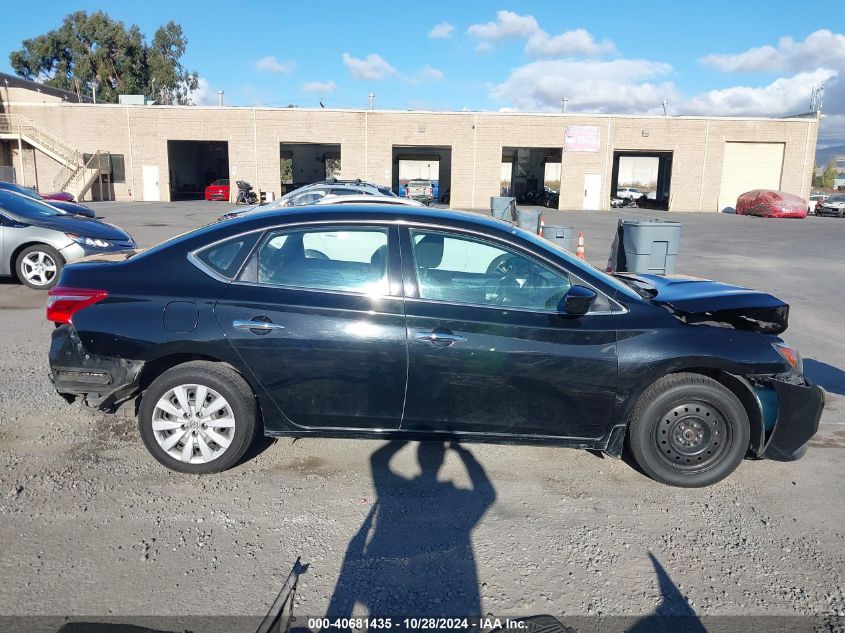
[(615, 283), (221, 183), (24, 207), (840, 197)]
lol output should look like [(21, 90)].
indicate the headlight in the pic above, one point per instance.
[(89, 241)]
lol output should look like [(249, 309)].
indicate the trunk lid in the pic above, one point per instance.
[(695, 300)]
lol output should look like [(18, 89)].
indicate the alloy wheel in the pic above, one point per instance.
[(38, 268)]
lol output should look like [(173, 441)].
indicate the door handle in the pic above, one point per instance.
[(443, 339), (257, 325)]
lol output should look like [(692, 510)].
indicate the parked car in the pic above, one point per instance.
[(59, 196), (74, 208), (218, 190), (814, 200), (767, 203), (834, 206), (310, 194), (629, 193), (375, 322), (36, 239), (421, 190)]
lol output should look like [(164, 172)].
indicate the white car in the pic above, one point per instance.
[(629, 193), (816, 198)]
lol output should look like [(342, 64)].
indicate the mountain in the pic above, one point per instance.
[(824, 155)]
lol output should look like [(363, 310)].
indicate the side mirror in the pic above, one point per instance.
[(577, 301)]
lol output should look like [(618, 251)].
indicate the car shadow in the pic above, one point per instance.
[(673, 614), (826, 376), (413, 553)]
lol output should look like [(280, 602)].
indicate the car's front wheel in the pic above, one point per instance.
[(38, 266), (198, 417), (688, 430)]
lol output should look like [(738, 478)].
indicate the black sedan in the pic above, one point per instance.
[(415, 323), (74, 208)]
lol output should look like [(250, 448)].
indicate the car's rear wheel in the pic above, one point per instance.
[(688, 430), (39, 266), (199, 417)]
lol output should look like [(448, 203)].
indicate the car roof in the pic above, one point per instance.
[(374, 210)]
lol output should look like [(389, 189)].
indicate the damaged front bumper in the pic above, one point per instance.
[(101, 382), (795, 420)]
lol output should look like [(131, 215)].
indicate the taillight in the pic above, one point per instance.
[(63, 303)]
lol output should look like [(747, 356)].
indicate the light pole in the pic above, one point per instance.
[(563, 103)]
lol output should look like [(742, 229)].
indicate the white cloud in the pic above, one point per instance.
[(623, 85), (577, 42), (324, 87), (204, 95), (821, 48), (441, 31), (272, 64), (371, 67), (785, 95), (429, 73), (510, 25)]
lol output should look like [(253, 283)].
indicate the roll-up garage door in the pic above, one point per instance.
[(749, 166)]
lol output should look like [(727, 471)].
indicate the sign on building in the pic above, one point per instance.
[(581, 138)]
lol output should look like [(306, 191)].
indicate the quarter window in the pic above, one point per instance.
[(343, 259), (467, 270), (226, 258)]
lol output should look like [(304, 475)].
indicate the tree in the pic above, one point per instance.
[(829, 175), (96, 49)]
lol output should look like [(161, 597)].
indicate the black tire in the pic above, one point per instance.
[(216, 377), (23, 268), (688, 430)]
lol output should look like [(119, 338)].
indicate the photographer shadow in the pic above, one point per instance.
[(413, 553)]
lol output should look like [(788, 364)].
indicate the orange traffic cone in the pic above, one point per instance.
[(542, 224), (579, 252)]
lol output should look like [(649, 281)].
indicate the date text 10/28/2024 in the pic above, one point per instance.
[(415, 624)]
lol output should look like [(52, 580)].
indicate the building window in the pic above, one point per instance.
[(118, 168)]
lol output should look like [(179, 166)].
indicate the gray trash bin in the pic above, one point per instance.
[(529, 219), (503, 208), (560, 235), (651, 246)]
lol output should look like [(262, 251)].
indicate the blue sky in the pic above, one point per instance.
[(705, 58)]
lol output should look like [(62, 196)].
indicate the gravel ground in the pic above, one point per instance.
[(93, 526)]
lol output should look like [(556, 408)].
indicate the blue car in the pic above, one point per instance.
[(73, 208)]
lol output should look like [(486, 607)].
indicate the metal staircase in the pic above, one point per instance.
[(78, 173)]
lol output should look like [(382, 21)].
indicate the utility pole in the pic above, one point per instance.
[(372, 98), (563, 103)]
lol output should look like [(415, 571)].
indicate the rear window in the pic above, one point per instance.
[(226, 258)]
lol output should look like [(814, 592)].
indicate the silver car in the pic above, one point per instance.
[(310, 194), (37, 240)]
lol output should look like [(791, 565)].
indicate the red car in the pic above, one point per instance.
[(218, 190), (61, 196), (771, 204)]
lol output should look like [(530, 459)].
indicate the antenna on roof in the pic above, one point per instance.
[(817, 98)]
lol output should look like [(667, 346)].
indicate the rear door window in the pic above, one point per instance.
[(347, 259)]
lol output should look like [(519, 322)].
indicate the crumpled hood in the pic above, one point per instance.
[(696, 300)]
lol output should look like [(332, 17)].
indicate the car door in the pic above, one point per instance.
[(317, 316), (490, 353)]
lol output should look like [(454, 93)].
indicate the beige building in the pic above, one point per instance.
[(152, 152)]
